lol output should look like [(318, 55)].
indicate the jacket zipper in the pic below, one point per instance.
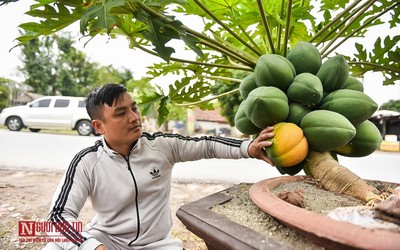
[(136, 201)]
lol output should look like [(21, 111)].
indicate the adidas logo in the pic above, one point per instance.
[(155, 173)]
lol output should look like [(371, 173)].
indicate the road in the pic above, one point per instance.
[(53, 152)]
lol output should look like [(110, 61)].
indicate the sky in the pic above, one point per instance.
[(116, 52)]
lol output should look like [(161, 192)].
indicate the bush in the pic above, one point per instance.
[(4, 92)]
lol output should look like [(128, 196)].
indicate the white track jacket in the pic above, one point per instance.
[(130, 195)]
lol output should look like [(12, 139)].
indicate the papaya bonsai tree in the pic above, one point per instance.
[(254, 38)]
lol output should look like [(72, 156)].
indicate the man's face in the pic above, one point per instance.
[(121, 123)]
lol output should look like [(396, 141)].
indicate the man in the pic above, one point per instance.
[(127, 176)]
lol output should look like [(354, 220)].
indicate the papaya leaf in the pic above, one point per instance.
[(147, 102), (153, 101), (163, 110), (394, 57), (191, 42), (390, 78), (4, 2), (379, 51), (132, 29), (174, 68), (182, 91), (362, 52), (53, 15), (395, 17), (383, 57), (97, 17), (159, 31), (333, 4)]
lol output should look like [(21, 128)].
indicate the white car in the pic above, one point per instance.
[(49, 112)]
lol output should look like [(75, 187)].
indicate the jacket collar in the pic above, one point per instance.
[(110, 152)]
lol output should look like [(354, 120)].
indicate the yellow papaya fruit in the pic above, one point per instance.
[(289, 145)]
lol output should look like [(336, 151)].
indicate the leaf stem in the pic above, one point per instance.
[(206, 100), (229, 52), (266, 27), (331, 23), (352, 20), (216, 19), (238, 66), (226, 79), (135, 44), (374, 65), (343, 22), (287, 27), (255, 45), (360, 28), (279, 29), (219, 39), (222, 48)]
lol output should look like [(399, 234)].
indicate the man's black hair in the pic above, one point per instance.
[(106, 94)]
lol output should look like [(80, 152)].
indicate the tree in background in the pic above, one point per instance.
[(111, 74), (38, 66), (53, 66), (7, 91), (230, 103), (391, 105), (75, 75), (4, 94)]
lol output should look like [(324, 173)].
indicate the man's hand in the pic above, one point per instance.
[(256, 147)]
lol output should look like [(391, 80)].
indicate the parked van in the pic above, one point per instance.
[(49, 112)]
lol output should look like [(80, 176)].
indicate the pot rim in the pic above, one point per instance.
[(317, 227)]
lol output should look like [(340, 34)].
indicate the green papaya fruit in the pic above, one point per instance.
[(305, 57), (273, 70), (326, 130), (354, 105), (354, 84), (248, 84), (296, 113), (333, 73), (367, 139), (266, 106), (243, 124), (306, 89)]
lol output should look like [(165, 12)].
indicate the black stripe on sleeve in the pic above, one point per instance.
[(224, 140), (56, 217)]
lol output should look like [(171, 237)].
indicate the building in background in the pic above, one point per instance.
[(25, 97), (211, 122), (388, 123)]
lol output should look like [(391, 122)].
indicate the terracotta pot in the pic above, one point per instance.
[(318, 228)]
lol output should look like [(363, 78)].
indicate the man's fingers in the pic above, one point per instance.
[(263, 137), (267, 129), (266, 159)]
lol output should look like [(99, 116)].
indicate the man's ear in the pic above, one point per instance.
[(98, 125)]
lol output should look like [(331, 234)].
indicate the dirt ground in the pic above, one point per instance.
[(27, 196)]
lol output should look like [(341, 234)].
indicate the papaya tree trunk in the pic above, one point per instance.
[(337, 178)]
